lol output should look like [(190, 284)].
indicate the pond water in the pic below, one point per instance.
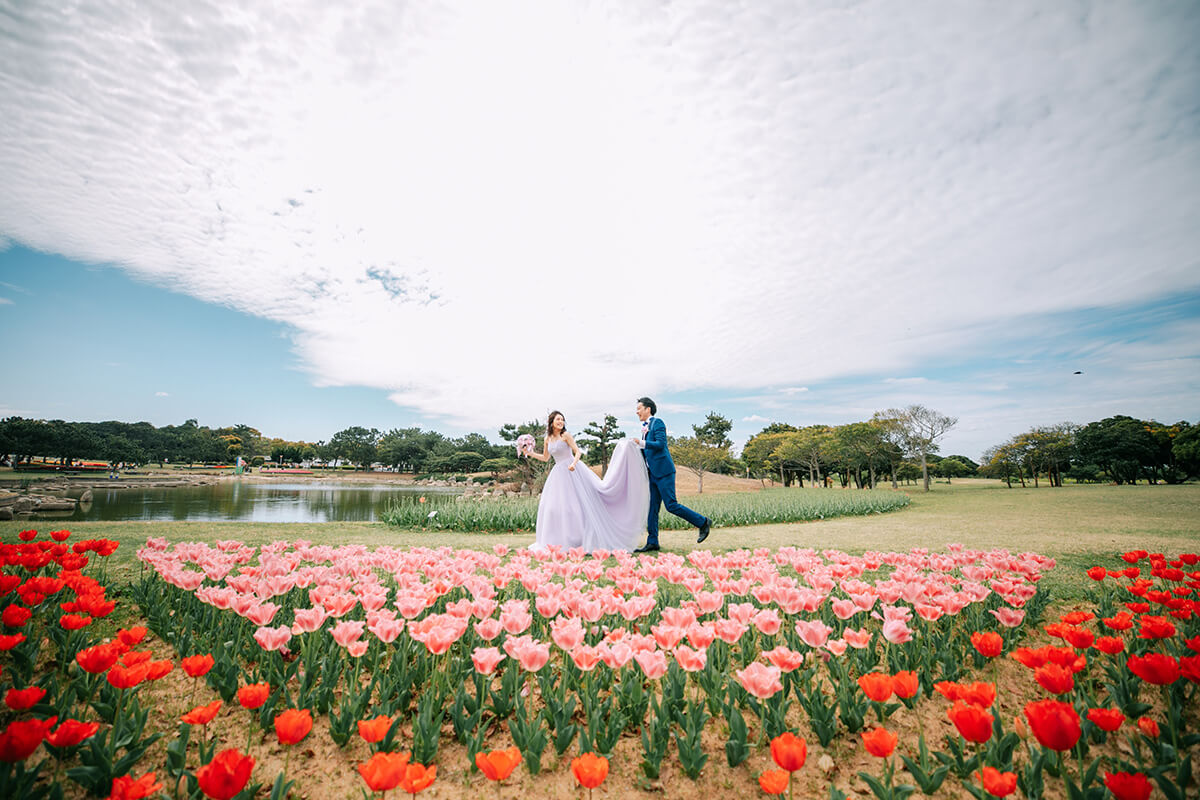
[(245, 501)]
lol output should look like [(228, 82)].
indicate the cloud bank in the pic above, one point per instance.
[(484, 209)]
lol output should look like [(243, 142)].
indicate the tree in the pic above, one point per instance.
[(355, 444), (599, 440), (922, 428), (707, 450), (1122, 447), (892, 432), (1186, 450), (951, 467)]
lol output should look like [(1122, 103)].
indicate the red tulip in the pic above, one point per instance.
[(373, 730), (1148, 727), (71, 732), (1156, 668), (126, 788), (880, 742), (978, 693), (197, 666), (973, 723), (590, 770), (202, 715), (1097, 573), (254, 695), (384, 771), (293, 725), (497, 765), (1055, 679), (8, 642), (789, 751), (226, 775), (1079, 638), (74, 622), (132, 636), (15, 616), (1110, 645), (995, 782), (24, 699), (1127, 786), (876, 686), (774, 781), (98, 658), (1106, 719), (417, 777), (988, 644), (20, 739), (1054, 723), (905, 684)]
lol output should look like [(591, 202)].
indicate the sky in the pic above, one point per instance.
[(457, 215)]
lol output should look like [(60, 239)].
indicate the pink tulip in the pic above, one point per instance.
[(410, 606), (262, 614), (358, 648), (1009, 617), (534, 656), (348, 631), (701, 635), (844, 609), (896, 631), (787, 660), (440, 639), (929, 613), (339, 605), (858, 639), (548, 605), (586, 657), (273, 638), (691, 660), (768, 622), (813, 633), (652, 662), (709, 602), (308, 620), (486, 659), (567, 633), (729, 630), (836, 646), (760, 680), (667, 636), (488, 629), (678, 617), (741, 612), (483, 607), (616, 654), (516, 621)]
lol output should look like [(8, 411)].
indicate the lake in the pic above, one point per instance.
[(245, 501)]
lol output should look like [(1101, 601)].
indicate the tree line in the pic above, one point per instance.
[(1119, 449)]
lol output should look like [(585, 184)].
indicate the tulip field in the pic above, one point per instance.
[(326, 671)]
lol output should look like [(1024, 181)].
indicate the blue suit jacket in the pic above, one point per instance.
[(658, 457)]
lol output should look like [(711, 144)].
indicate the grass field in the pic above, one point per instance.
[(1075, 524)]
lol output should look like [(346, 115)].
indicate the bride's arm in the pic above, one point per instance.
[(574, 449), (542, 456)]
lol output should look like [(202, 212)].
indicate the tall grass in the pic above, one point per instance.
[(725, 510)]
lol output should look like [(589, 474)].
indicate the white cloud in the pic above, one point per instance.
[(488, 208), (755, 418), (161, 394), (792, 390), (915, 381), (4, 301)]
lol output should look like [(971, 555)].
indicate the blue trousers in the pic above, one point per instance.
[(662, 493)]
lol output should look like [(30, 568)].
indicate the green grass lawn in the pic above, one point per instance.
[(1078, 525)]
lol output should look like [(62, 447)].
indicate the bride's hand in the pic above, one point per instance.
[(571, 468)]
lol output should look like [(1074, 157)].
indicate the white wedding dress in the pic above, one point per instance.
[(578, 509)]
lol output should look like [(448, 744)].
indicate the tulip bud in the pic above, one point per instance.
[(1020, 728), (826, 763)]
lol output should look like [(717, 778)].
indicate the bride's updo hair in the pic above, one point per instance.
[(550, 423)]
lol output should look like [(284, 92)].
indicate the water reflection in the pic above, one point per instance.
[(244, 501)]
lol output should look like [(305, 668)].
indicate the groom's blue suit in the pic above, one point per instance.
[(662, 481)]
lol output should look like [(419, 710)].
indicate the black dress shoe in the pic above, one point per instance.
[(704, 529), (647, 548)]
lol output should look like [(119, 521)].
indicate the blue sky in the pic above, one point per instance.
[(456, 215)]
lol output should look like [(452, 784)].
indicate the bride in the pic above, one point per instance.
[(577, 508)]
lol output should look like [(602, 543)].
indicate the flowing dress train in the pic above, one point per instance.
[(578, 509)]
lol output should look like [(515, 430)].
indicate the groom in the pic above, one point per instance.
[(662, 477)]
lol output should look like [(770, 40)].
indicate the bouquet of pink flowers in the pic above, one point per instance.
[(525, 444)]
